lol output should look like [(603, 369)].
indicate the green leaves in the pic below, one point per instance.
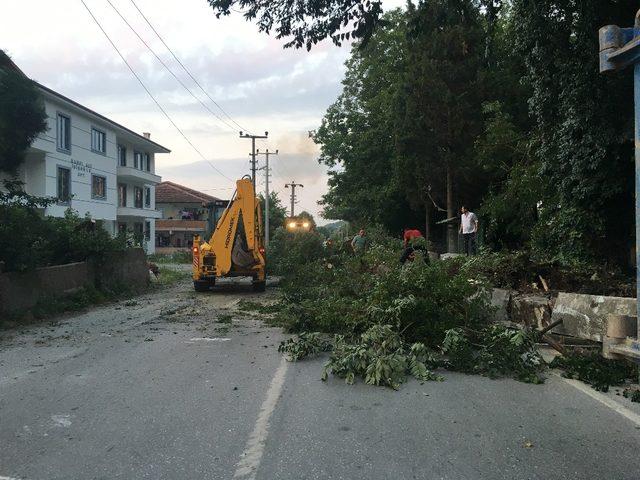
[(380, 357), (305, 345), (22, 115), (494, 351)]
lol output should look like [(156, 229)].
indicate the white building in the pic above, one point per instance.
[(96, 166)]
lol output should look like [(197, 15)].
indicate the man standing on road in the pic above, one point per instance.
[(468, 229), (359, 242)]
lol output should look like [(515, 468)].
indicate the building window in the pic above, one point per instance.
[(138, 232), (122, 156), (137, 159), (122, 195), (98, 141), (147, 197), (98, 187), (63, 126), (147, 231), (137, 197), (64, 185), (147, 162)]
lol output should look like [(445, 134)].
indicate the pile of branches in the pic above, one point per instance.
[(384, 321)]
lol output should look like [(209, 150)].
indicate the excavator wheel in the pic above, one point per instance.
[(200, 286), (259, 286)]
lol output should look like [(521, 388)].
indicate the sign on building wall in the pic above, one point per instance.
[(81, 168)]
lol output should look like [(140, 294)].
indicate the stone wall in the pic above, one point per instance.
[(583, 316), (20, 291)]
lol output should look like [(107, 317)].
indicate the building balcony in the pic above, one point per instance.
[(138, 212), (198, 226), (133, 174)]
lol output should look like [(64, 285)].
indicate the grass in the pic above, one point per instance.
[(250, 306), (169, 276), (225, 318), (176, 257)]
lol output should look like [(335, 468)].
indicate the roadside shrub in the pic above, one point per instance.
[(29, 240)]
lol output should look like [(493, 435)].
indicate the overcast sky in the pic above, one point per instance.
[(260, 85)]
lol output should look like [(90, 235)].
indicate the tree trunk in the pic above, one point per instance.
[(452, 237), (427, 220)]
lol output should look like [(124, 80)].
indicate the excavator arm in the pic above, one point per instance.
[(235, 247)]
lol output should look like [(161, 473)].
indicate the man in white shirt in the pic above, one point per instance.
[(468, 229)]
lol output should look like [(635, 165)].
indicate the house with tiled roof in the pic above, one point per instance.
[(185, 212)]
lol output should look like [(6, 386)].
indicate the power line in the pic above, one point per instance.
[(167, 67), (150, 94), (187, 70)]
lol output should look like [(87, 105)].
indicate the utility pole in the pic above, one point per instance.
[(266, 196), (293, 186), (253, 153)]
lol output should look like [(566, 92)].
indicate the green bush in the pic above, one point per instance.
[(29, 240)]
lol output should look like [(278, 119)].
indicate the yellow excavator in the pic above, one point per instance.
[(236, 247)]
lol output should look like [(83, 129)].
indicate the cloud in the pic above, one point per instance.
[(261, 85)]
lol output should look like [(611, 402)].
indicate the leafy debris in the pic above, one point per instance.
[(595, 370)]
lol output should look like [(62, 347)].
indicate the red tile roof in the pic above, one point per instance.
[(169, 192)]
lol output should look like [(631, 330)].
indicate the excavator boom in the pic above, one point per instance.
[(235, 247)]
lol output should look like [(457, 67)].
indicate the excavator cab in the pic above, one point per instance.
[(236, 247)]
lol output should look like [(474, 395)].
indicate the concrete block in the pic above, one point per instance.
[(500, 300), (532, 311), (584, 316), (621, 326), (446, 256)]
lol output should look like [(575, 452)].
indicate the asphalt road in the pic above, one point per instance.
[(159, 388)]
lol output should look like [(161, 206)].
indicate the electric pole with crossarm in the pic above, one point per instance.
[(266, 196), (253, 153), (293, 186)]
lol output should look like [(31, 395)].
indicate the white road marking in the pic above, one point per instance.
[(60, 421), (210, 339), (603, 399), (250, 459), (8, 478)]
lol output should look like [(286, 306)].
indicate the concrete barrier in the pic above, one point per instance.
[(584, 316), (501, 302), (21, 291)]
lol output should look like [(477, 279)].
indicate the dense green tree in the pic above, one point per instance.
[(22, 115), (357, 134), (305, 23), (581, 140), (439, 113)]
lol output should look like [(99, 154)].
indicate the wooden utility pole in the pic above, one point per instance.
[(253, 153), (293, 186), (266, 196)]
